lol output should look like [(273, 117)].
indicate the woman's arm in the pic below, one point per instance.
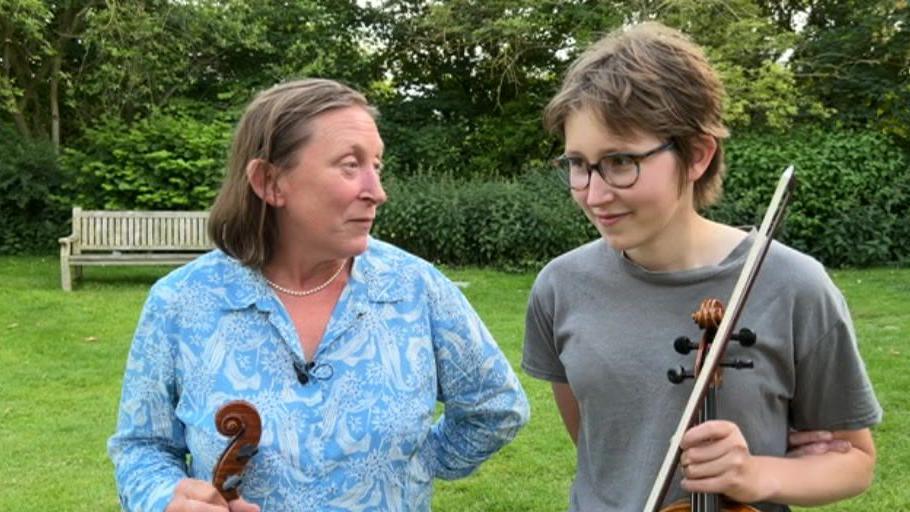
[(148, 448), (485, 405), (716, 459), (568, 408)]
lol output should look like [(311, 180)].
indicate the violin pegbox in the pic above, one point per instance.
[(708, 317)]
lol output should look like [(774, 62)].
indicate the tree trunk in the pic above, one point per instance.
[(55, 101), (18, 116), (21, 125)]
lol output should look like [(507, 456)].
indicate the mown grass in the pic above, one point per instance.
[(62, 357)]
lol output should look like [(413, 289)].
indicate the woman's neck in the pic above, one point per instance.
[(301, 271), (691, 242)]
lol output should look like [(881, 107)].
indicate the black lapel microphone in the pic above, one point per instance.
[(311, 370), (303, 371)]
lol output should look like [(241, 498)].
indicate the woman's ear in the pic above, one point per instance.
[(263, 180), (703, 149)]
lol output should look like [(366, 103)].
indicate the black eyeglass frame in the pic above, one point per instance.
[(563, 161)]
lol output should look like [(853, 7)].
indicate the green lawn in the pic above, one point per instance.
[(62, 356)]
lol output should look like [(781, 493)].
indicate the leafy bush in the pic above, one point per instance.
[(850, 208), (467, 144), (510, 224), (31, 187), (852, 199), (170, 160)]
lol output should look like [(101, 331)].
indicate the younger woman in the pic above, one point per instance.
[(640, 114)]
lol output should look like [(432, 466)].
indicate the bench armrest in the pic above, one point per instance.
[(67, 240)]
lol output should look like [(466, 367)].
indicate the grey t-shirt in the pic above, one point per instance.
[(606, 326)]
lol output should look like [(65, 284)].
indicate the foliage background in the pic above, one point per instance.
[(130, 104)]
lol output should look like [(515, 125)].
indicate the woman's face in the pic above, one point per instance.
[(328, 200), (630, 219)]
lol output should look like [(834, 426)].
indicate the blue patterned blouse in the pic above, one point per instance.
[(359, 435)]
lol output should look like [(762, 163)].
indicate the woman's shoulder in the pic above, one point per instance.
[(793, 264), (390, 257), (579, 259), (214, 269), (792, 272), (394, 264)]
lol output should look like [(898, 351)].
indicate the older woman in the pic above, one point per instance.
[(343, 343)]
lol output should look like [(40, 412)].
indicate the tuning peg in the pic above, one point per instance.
[(745, 337), (677, 376), (232, 482), (738, 364), (684, 345)]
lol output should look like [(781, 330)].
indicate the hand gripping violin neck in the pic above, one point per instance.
[(708, 317), (719, 325)]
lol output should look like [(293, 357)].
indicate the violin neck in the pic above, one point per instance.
[(701, 502), (708, 406)]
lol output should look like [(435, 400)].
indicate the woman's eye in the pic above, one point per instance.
[(619, 161), (575, 162)]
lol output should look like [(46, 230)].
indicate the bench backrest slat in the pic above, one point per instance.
[(142, 231)]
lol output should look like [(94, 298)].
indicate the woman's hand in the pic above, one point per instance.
[(199, 496), (815, 442), (716, 460)]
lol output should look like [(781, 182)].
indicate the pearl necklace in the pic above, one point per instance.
[(311, 291)]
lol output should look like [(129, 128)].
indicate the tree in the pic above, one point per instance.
[(136, 56), (469, 79), (37, 37), (854, 55), (750, 51), (69, 63)]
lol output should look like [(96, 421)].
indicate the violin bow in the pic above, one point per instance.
[(772, 219)]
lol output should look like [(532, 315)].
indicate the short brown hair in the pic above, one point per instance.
[(274, 126), (649, 79)]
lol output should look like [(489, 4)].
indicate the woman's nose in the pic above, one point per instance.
[(598, 191), (372, 186)]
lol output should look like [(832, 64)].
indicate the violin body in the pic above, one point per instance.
[(685, 505)]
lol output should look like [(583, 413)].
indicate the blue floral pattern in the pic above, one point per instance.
[(360, 434)]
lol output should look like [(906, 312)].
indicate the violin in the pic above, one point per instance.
[(719, 325), (708, 317), (240, 421)]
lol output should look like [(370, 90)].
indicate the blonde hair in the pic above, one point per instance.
[(275, 125), (649, 79)]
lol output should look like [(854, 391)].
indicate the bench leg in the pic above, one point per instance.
[(66, 279)]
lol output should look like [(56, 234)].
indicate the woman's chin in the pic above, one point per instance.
[(357, 246), (616, 241)]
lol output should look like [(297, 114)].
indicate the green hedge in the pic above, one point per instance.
[(171, 160), (850, 209), (33, 194), (852, 202), (506, 224)]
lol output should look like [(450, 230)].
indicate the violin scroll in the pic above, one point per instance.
[(240, 421), (710, 313)]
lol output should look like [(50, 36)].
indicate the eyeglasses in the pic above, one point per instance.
[(619, 170)]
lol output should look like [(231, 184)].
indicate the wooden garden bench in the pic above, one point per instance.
[(103, 237)]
